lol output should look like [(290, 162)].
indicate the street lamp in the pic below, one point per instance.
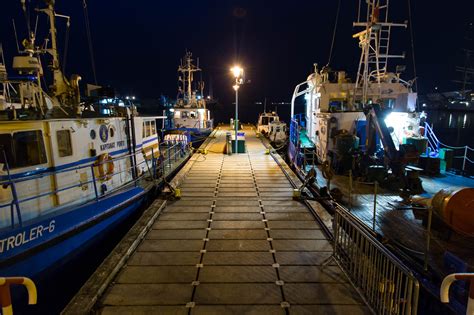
[(238, 72)]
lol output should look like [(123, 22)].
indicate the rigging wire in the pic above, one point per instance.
[(16, 36), (334, 32), (89, 39), (412, 44)]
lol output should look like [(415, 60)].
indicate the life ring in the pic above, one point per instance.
[(105, 166)]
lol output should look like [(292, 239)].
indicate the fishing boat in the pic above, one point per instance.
[(189, 115), (278, 133), (270, 126), (369, 150), (71, 171), (264, 120)]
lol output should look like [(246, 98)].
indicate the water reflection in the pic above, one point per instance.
[(445, 119)]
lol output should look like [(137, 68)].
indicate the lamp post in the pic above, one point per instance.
[(237, 72)]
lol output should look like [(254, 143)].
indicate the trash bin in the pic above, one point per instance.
[(240, 142)]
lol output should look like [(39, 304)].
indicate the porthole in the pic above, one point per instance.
[(111, 132), (92, 134)]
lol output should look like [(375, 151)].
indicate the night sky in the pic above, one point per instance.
[(138, 44)]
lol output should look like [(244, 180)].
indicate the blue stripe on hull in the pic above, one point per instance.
[(76, 235)]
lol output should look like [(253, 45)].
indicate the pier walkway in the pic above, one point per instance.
[(235, 243)]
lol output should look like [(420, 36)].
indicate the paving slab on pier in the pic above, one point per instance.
[(235, 243)]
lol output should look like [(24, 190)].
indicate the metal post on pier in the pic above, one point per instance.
[(169, 157), (428, 238), (350, 190), (163, 162), (376, 184), (238, 73), (464, 160), (236, 122)]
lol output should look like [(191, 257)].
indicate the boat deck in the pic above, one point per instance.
[(402, 225), (234, 243)]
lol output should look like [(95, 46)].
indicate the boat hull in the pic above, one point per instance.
[(54, 240)]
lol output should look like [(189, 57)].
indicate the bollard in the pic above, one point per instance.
[(296, 194), (228, 138)]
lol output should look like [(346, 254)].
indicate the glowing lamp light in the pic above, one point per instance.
[(172, 110), (237, 71), (236, 87)]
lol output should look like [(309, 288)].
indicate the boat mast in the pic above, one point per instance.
[(187, 70), (65, 91), (60, 84), (374, 41)]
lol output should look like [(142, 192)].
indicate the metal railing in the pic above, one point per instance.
[(385, 283), (155, 167), (434, 146), (309, 159)]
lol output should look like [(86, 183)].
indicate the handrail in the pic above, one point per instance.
[(5, 296), (171, 153), (435, 145), (446, 284), (73, 168), (385, 283)]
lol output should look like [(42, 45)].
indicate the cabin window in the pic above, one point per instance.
[(147, 128), (336, 105), (266, 120), (64, 142), (192, 114), (111, 132), (143, 130), (388, 103), (153, 127), (25, 148), (184, 115)]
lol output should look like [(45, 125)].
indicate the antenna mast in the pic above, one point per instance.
[(374, 40), (187, 70)]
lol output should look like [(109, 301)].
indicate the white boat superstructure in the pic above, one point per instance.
[(264, 120), (278, 133), (336, 107), (190, 110)]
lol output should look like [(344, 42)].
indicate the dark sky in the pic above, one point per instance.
[(137, 43)]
